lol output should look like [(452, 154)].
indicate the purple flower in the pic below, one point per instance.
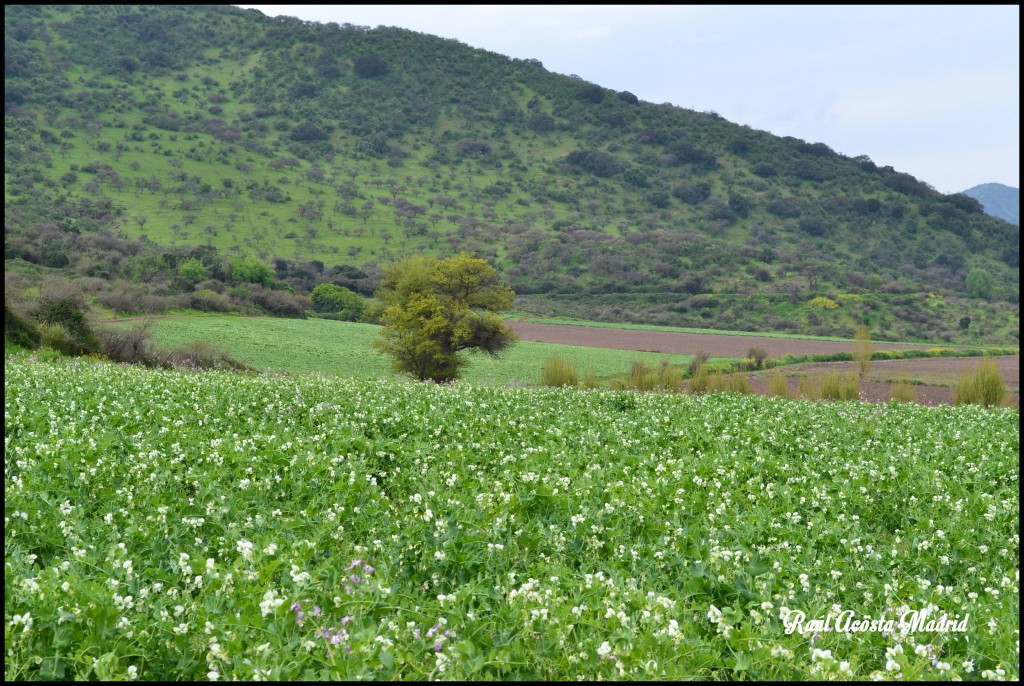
[(355, 579), (345, 620), (368, 569), (316, 610), (416, 634), (437, 647), (295, 607)]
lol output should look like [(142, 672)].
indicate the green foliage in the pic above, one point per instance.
[(370, 67), (192, 269), (559, 372), (758, 355), (231, 131), (902, 391), (840, 387), (61, 314), (18, 330), (862, 349), (777, 386), (248, 269), (983, 385), (434, 309), (699, 382), (394, 470), (979, 284), (338, 301)]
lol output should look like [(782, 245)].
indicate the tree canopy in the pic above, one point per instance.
[(434, 309)]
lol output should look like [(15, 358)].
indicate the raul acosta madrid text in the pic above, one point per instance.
[(846, 622)]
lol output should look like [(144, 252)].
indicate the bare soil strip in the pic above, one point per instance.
[(716, 345), (939, 373)]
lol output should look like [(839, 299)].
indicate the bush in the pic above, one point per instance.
[(902, 391), (558, 372), (642, 377), (590, 379), (758, 355), (669, 377), (200, 354), (57, 337), (338, 300), (983, 385), (60, 306), (836, 387), (19, 330), (728, 383), (700, 359), (699, 377), (129, 344), (809, 387), (777, 386)]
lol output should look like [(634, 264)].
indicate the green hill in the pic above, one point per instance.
[(998, 200), (280, 154)]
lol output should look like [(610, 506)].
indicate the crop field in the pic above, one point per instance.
[(344, 349), (195, 526)]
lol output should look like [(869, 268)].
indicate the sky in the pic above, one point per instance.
[(933, 91)]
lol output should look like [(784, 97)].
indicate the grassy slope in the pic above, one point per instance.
[(343, 349), (275, 229)]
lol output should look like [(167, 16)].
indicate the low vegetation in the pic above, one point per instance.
[(163, 525), (981, 385)]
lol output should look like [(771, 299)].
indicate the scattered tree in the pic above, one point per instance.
[(862, 349), (433, 309)]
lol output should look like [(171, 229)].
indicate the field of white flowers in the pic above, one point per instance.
[(194, 526)]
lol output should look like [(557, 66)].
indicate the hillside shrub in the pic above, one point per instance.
[(61, 315), (18, 330)]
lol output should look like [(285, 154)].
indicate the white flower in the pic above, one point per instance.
[(25, 619), (844, 667), (270, 602), (213, 675), (714, 615), (968, 666), (892, 666), (604, 649), (820, 654), (244, 547), (133, 672)]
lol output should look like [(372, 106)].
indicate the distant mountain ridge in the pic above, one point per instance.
[(998, 200)]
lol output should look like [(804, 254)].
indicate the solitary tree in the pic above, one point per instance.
[(434, 309), (862, 349)]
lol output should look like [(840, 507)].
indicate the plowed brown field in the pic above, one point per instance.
[(936, 376)]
